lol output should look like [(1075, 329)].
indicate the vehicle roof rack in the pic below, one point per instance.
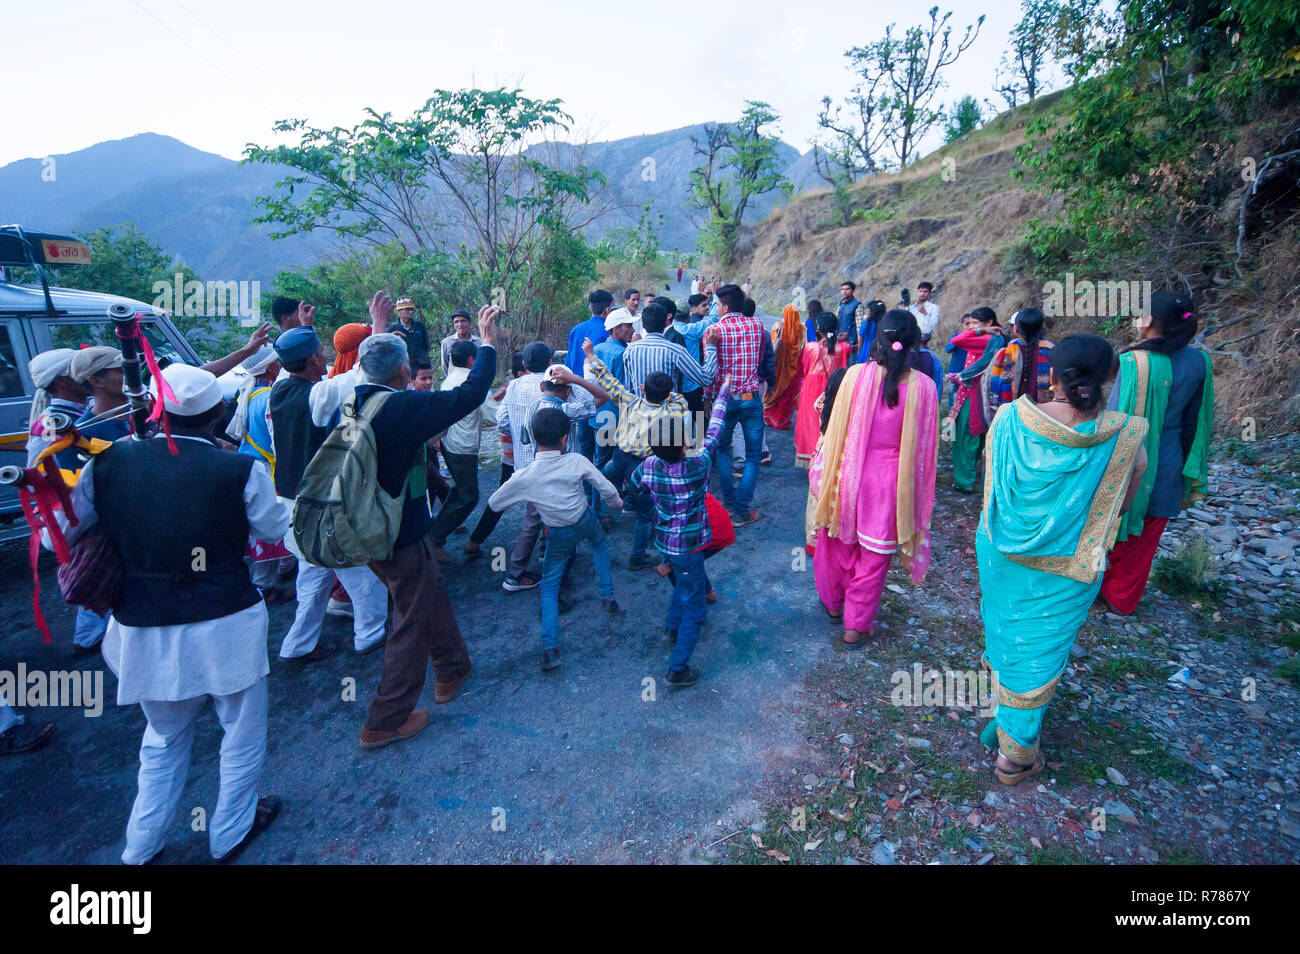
[(36, 250)]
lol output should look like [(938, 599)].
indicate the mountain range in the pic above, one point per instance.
[(199, 207)]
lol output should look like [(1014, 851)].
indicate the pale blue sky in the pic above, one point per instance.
[(217, 73)]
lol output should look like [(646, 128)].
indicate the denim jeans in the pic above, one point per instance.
[(561, 543), (604, 454), (687, 610), (749, 415), (616, 472)]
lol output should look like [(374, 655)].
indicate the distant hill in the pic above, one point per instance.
[(199, 206)]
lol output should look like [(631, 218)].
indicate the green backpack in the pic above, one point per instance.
[(342, 517)]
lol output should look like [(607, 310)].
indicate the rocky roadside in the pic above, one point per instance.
[(1174, 738)]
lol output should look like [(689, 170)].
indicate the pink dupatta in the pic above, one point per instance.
[(917, 464)]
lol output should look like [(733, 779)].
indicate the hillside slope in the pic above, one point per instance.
[(957, 219)]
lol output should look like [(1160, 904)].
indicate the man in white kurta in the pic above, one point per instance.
[(172, 671)]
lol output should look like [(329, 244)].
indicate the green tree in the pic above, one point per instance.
[(1164, 87), (1020, 73), (911, 68), (965, 117), (123, 261), (458, 185), (740, 162)]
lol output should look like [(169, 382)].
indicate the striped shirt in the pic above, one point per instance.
[(654, 353), (681, 520), (640, 423), (739, 353), (514, 417)]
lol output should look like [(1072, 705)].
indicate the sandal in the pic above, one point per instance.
[(25, 738), (1015, 778), (835, 616), (268, 808), (857, 643)]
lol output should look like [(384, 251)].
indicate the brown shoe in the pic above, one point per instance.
[(444, 692), (415, 723)]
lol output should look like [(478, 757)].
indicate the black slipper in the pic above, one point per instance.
[(25, 737), (268, 807)]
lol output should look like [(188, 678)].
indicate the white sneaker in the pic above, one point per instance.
[(338, 608)]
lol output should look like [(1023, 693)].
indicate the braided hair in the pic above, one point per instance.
[(828, 398)]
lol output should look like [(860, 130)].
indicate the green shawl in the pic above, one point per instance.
[(1145, 378)]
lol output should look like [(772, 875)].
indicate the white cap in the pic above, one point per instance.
[(619, 316), (196, 390)]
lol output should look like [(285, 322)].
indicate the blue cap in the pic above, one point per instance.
[(297, 344)]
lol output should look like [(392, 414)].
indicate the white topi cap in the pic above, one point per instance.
[(196, 390)]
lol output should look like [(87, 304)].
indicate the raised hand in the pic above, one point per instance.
[(588, 348), (306, 314), (258, 338), (381, 310), (487, 328)]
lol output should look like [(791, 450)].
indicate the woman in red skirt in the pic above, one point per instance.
[(1171, 384)]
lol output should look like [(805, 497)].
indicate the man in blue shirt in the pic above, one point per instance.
[(600, 302), (848, 314)]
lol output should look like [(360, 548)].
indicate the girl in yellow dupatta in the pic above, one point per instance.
[(788, 339), (874, 479)]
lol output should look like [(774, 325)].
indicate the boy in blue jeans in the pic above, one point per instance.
[(677, 483), (555, 483)]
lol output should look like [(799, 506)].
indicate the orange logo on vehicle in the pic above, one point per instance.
[(71, 253)]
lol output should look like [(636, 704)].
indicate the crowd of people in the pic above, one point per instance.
[(634, 418)]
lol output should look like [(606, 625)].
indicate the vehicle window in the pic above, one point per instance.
[(11, 380), (83, 334)]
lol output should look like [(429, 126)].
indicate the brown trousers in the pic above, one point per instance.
[(424, 629)]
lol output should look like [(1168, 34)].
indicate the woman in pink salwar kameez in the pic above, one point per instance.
[(874, 479)]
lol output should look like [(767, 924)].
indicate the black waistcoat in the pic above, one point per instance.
[(297, 439), (179, 523)]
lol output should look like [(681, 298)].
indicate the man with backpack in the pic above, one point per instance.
[(296, 439), (424, 626)]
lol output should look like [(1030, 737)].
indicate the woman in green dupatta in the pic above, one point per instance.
[(1057, 481), (1171, 384)]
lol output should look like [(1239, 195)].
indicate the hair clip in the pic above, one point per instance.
[(1186, 315), (897, 346)]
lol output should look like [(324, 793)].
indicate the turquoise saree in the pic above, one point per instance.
[(1052, 498)]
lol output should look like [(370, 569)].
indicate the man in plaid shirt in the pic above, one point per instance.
[(677, 484), (661, 416), (740, 349)]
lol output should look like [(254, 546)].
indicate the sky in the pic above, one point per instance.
[(218, 74)]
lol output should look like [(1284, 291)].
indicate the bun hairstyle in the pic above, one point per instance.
[(896, 337), (1175, 316), (1083, 364), (829, 325), (828, 399)]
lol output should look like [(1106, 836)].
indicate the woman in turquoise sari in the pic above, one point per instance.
[(1057, 480)]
